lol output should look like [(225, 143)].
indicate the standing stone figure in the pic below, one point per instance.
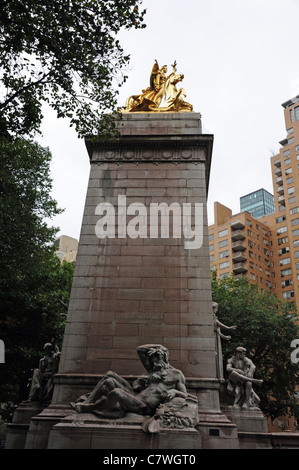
[(240, 380), (219, 335), (41, 388), (113, 396)]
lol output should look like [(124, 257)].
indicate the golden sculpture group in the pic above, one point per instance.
[(163, 90)]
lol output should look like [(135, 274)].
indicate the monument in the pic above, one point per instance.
[(142, 291)]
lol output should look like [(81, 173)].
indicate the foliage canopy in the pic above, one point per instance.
[(65, 53)]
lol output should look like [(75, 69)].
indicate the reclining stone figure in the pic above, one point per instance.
[(114, 397)]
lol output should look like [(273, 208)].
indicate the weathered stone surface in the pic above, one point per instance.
[(131, 291)]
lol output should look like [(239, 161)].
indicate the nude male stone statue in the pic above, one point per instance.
[(240, 380), (113, 396)]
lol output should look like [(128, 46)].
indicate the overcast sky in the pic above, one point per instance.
[(240, 60)]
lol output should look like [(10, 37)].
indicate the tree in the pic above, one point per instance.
[(266, 327), (31, 276), (65, 53)]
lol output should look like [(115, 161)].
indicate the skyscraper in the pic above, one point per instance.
[(259, 203)]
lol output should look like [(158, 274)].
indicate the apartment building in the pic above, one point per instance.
[(240, 244), (284, 224), (66, 248), (265, 249)]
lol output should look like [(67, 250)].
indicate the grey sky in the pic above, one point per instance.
[(240, 61)]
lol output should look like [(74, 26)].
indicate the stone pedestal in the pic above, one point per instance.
[(252, 427), (17, 430), (142, 284), (95, 433)]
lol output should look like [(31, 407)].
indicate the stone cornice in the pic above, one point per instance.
[(153, 148)]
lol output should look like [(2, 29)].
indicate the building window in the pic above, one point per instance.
[(211, 247), (224, 254), (212, 258), (291, 190), (296, 254), (282, 230), (280, 219), (292, 115), (223, 275), (284, 261), (223, 233), (283, 240), (211, 237), (292, 200), (295, 222), (287, 162), (286, 283), (291, 140), (288, 171), (286, 272), (223, 243), (296, 243), (290, 131), (283, 251), (296, 113), (288, 295), (295, 233), (290, 180), (286, 153), (252, 276), (224, 265), (294, 210)]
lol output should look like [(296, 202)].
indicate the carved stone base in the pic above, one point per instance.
[(247, 419), (87, 431), (252, 427), (18, 428), (213, 431)]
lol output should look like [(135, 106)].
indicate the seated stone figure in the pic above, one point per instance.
[(41, 388), (240, 380), (113, 396)]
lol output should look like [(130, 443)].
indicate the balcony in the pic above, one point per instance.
[(280, 189), (278, 171), (237, 225), (279, 180), (238, 235), (277, 162), (281, 199), (239, 268), (238, 246), (239, 256)]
